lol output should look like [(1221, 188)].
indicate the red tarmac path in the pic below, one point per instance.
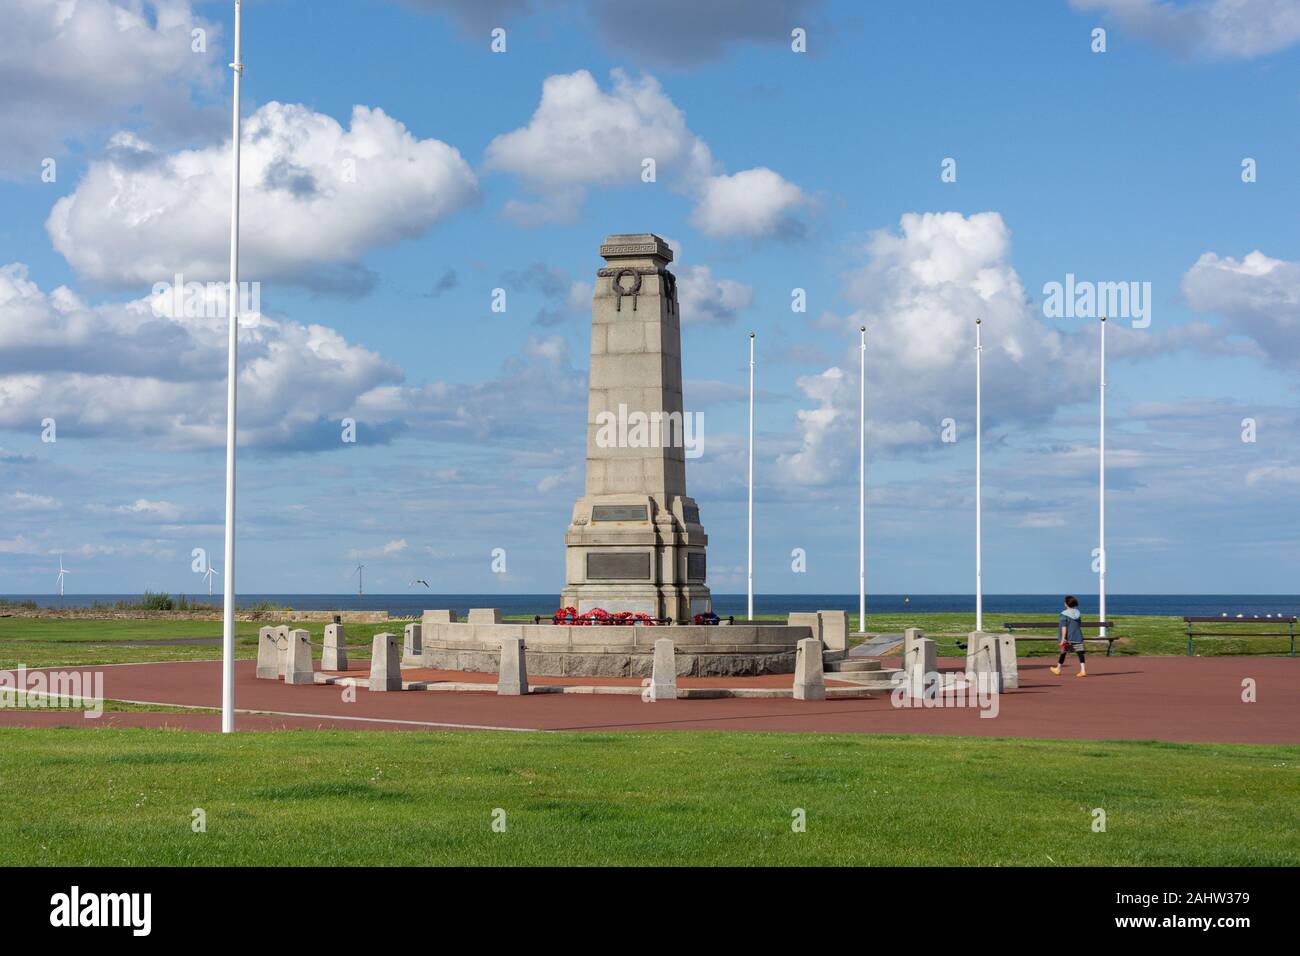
[(1123, 698)]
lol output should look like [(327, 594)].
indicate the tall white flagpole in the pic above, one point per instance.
[(862, 481), (979, 502), (750, 615), (1101, 485), (232, 378)]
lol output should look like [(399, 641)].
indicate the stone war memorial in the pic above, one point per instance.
[(635, 545)]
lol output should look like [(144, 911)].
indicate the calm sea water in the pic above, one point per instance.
[(407, 605)]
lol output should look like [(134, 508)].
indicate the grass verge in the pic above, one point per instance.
[(127, 797)]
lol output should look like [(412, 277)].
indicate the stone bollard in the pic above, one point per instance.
[(809, 682), (809, 619), (438, 617), (835, 630), (974, 641), (298, 659), (282, 642), (268, 654), (334, 656), (982, 660), (385, 668), (1008, 666), (910, 637), (918, 663), (412, 642), (484, 615), (663, 679), (512, 678)]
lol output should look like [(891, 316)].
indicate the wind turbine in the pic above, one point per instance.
[(62, 572), (208, 574)]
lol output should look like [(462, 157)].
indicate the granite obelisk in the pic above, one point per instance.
[(635, 542)]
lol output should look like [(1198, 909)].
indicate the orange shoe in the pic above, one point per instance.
[(1081, 674), (1055, 669)]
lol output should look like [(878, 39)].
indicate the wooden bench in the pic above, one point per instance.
[(1055, 627), (1193, 632)]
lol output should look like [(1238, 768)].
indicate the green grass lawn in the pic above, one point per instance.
[(52, 642), (126, 797), (1140, 634), (49, 642)]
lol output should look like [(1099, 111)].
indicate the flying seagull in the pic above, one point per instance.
[(420, 581)]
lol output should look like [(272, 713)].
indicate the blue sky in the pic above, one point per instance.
[(474, 170)]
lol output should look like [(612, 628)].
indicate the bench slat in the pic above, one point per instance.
[(1239, 633), (1043, 624), (1240, 621)]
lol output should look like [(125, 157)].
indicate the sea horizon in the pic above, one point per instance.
[(413, 603)]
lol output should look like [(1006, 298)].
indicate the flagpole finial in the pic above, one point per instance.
[(1103, 318), (978, 321), (862, 328), (751, 335)]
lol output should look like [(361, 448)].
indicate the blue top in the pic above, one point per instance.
[(1073, 632)]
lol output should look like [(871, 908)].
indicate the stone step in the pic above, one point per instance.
[(852, 665), (878, 678)]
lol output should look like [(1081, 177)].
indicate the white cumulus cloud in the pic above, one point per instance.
[(316, 198), (706, 300), (581, 137), (752, 203), (1258, 297), (1240, 29), (135, 370), (919, 291), (68, 67)]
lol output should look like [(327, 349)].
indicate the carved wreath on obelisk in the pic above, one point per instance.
[(619, 289)]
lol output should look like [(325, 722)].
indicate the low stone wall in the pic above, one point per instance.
[(347, 617), (612, 651)]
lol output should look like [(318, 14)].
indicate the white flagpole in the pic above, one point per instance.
[(979, 502), (232, 378), (862, 481), (1101, 485), (750, 615)]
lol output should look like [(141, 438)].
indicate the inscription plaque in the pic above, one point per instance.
[(620, 513), (695, 566), (618, 566), (691, 513)]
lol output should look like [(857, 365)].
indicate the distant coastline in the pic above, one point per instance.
[(408, 605)]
